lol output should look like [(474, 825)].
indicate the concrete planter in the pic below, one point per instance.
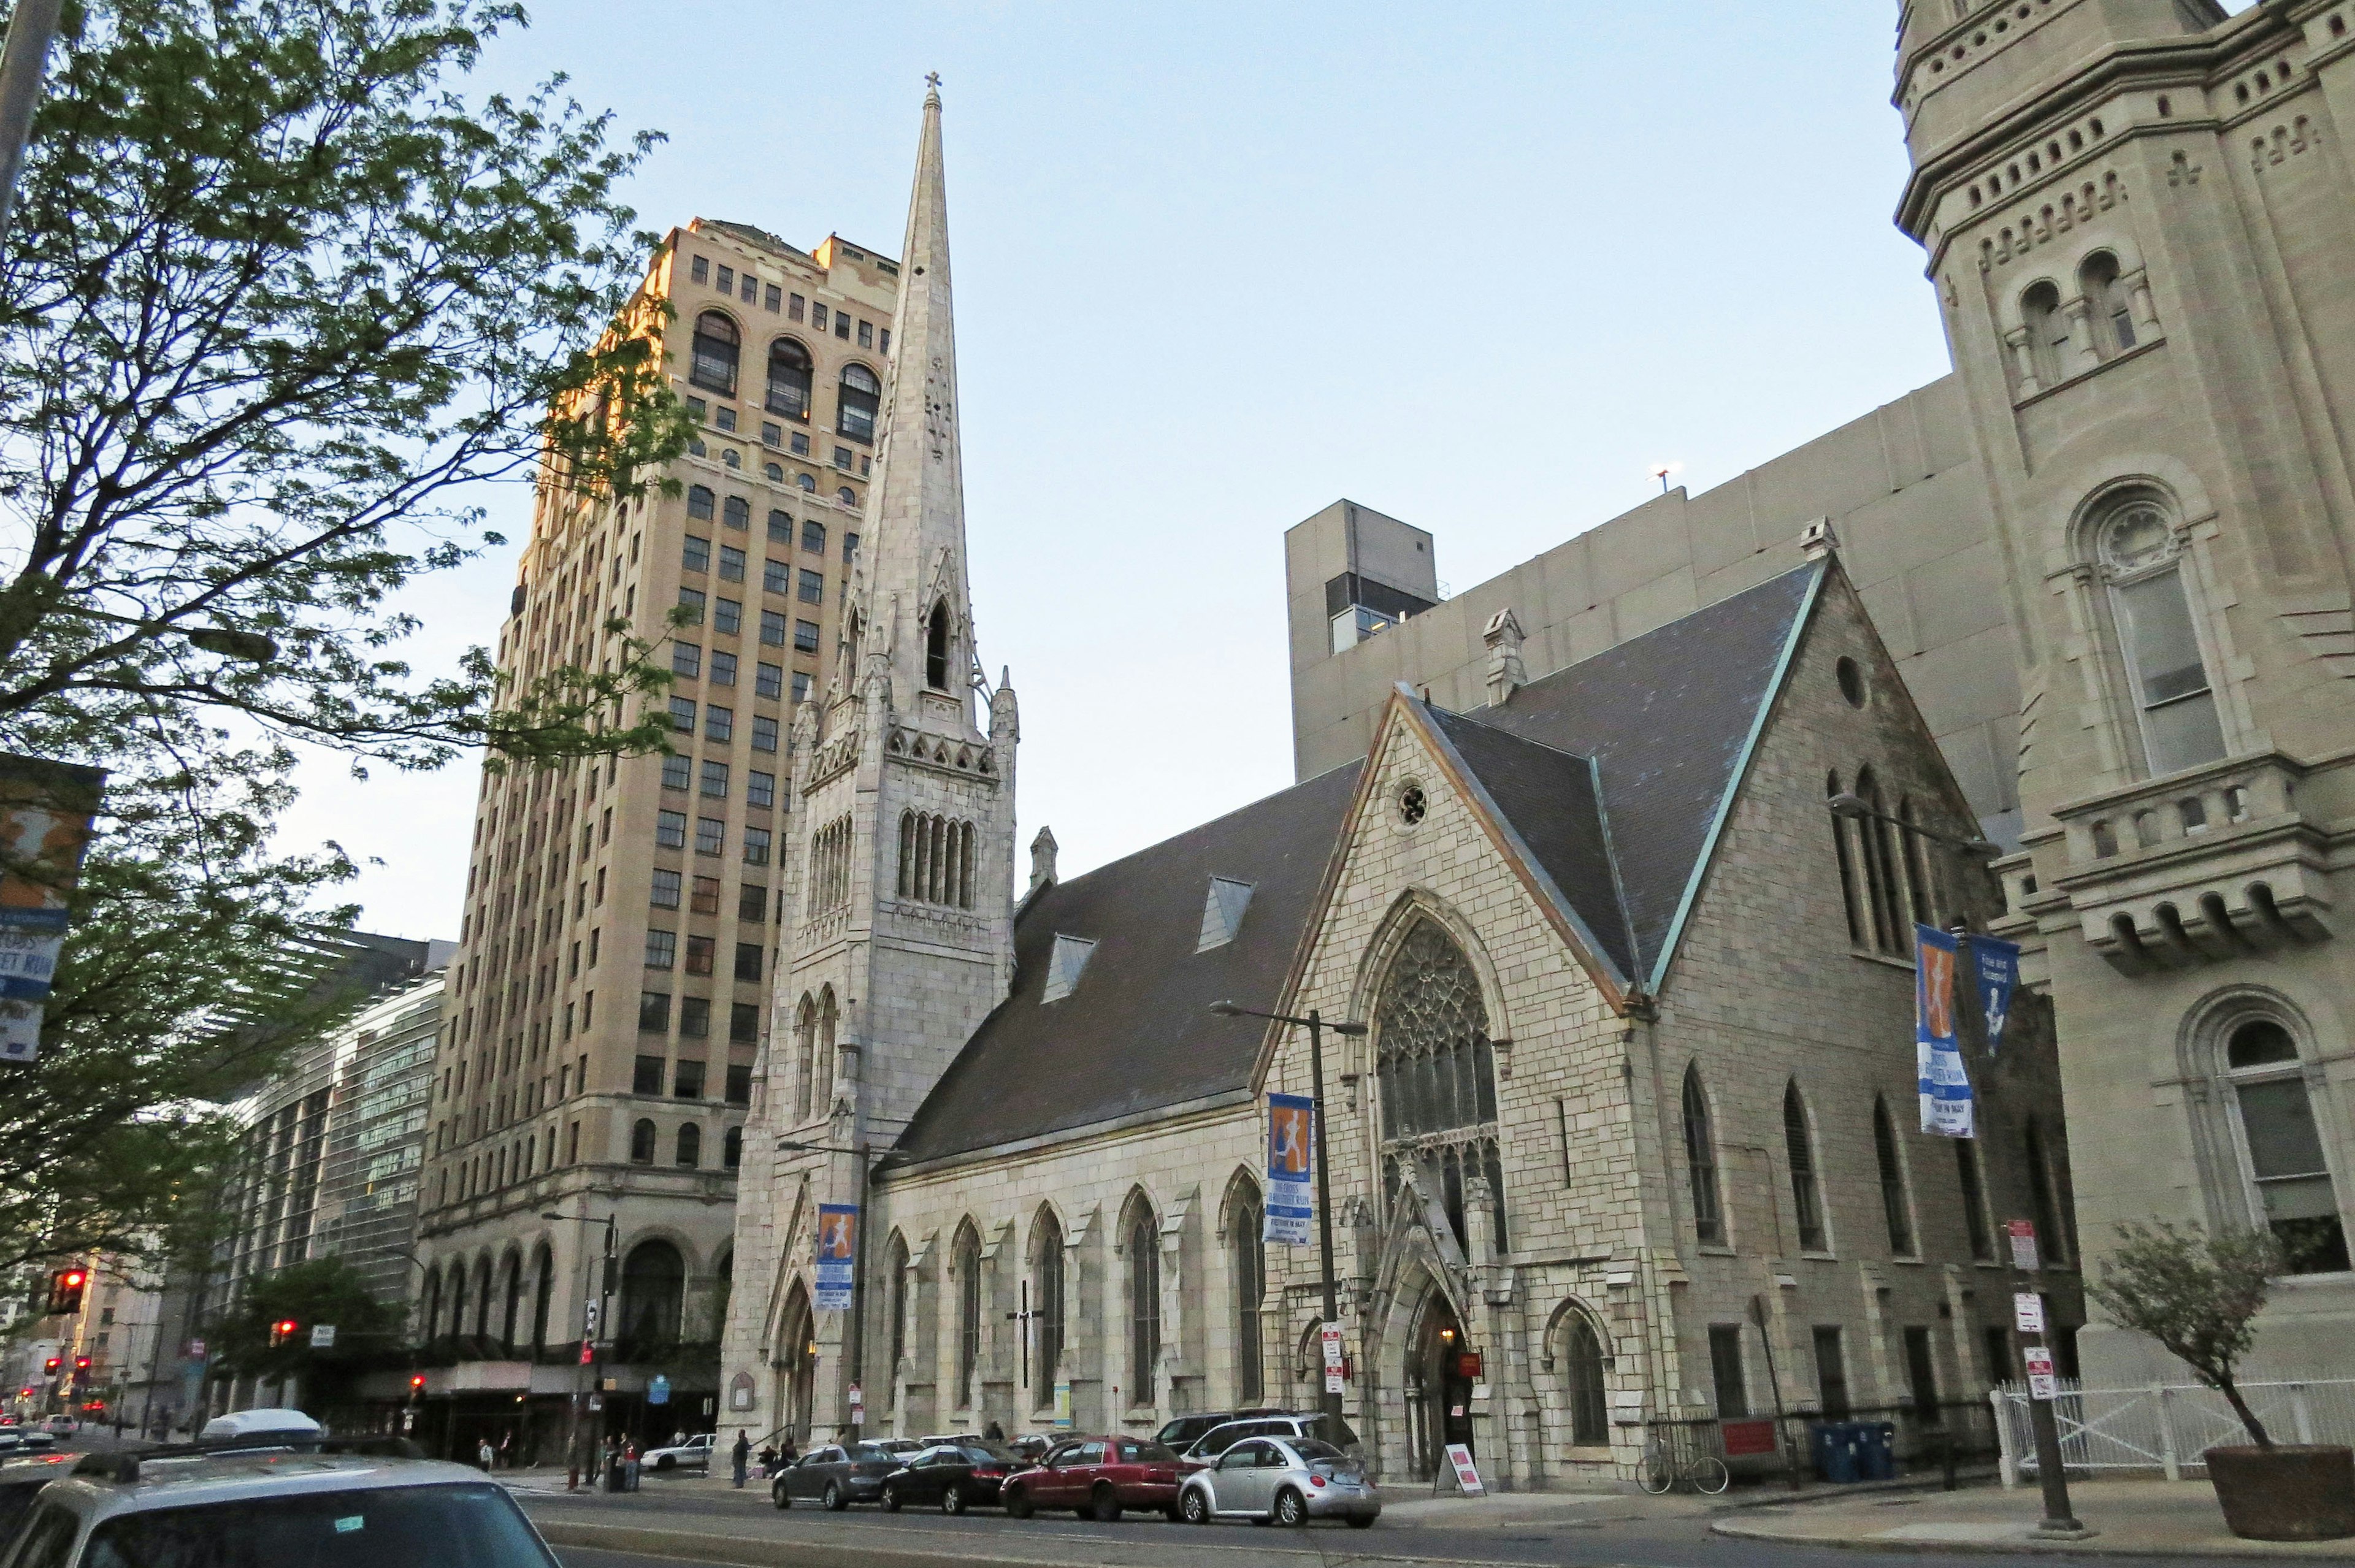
[(2295, 1492)]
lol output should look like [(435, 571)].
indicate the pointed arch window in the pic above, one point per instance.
[(968, 1272), (898, 1262), (713, 353), (1046, 1304), (1435, 1072), (936, 648), (1917, 863), (1879, 864), (804, 1055), (1583, 1367), (1251, 1290), (2041, 1196), (789, 379), (1700, 1162), (2167, 688), (1798, 1147), (2288, 1172), (857, 402), (1850, 900), (828, 1017), (1144, 1304), (2047, 334), (1895, 1212)]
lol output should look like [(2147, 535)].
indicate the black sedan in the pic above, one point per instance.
[(834, 1476), (953, 1477)]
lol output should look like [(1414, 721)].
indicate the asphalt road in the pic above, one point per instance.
[(744, 1530)]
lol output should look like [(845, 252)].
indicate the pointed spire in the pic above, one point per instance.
[(913, 552)]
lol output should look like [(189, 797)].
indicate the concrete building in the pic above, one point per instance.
[(1623, 1084), (604, 1010), (2113, 560)]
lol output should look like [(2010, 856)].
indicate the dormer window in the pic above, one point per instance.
[(1063, 966), (1222, 912), (936, 648)]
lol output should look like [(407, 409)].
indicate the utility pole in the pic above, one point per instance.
[(32, 28)]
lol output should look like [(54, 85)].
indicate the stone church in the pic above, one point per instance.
[(1630, 1135)]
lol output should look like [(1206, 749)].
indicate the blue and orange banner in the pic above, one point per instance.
[(838, 1256), (1291, 1167), (1945, 1088)]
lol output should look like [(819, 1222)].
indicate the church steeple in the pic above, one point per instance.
[(916, 621)]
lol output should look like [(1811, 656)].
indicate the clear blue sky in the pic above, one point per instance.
[(1218, 264)]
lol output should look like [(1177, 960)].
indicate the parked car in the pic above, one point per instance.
[(1181, 1431), (834, 1476), (958, 1437), (1031, 1446), (1219, 1439), (951, 1477), (1100, 1478), (1288, 1480), (62, 1426), (21, 1480), (695, 1453), (36, 1439)]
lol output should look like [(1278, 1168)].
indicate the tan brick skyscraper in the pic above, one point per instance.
[(605, 1008)]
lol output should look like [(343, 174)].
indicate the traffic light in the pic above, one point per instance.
[(284, 1330), (81, 1369), (417, 1385), (52, 1364), (65, 1290)]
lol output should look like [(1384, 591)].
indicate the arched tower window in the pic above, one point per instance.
[(789, 379), (654, 1297), (1046, 1304), (1143, 1303), (712, 359), (1437, 1077), (543, 1268), (804, 1055), (731, 1148), (641, 1143), (1582, 1350), (967, 1256), (1893, 1207), (828, 1017), (1700, 1162), (2110, 301), (2048, 332), (1798, 1147), (511, 1312), (896, 1284), (432, 1315), (860, 396), (690, 1146), (457, 1299), (936, 648), (1248, 1225), (2290, 1189), (2173, 701)]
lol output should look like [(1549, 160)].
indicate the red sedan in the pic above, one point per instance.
[(1100, 1478)]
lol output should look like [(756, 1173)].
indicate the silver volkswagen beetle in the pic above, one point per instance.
[(1289, 1481)]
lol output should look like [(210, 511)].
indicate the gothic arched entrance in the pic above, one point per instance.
[(1438, 1393), (797, 1364)]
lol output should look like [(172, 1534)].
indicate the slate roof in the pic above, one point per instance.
[(1136, 1033), (1614, 775), (1668, 718)]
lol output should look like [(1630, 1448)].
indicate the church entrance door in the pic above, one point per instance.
[(1438, 1393), (796, 1359)]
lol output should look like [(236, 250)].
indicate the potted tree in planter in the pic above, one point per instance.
[(2198, 1297)]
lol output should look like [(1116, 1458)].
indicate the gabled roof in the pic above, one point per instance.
[(1136, 1033), (1668, 721)]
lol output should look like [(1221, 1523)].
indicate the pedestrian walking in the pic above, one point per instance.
[(742, 1455), (484, 1453), (994, 1432)]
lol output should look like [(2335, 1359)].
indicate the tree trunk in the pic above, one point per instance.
[(2241, 1408)]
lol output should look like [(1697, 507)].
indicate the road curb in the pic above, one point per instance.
[(762, 1551), (2206, 1552)]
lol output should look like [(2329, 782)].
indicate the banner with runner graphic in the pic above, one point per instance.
[(1945, 1089), (1291, 1167), (1997, 963)]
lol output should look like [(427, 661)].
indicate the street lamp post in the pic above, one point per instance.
[(594, 1330), (1315, 1024), (857, 1269)]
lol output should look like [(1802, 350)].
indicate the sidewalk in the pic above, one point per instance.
[(2132, 1519)]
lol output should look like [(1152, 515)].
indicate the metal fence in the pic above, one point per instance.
[(2166, 1427), (1925, 1441)]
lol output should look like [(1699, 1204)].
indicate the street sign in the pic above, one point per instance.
[(588, 1351), (322, 1336), (196, 1350), (409, 1421), (2023, 1243), (591, 1312), (2040, 1381), (2028, 1311), (857, 1402), (1467, 1474), (1336, 1361), (658, 1390)]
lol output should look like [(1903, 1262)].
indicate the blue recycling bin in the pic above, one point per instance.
[(1876, 1444), (1834, 1443)]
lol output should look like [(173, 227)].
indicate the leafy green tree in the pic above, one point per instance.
[(279, 298), (323, 1290), (2199, 1295)]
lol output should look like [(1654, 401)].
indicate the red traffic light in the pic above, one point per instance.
[(417, 1383), (81, 1363), (288, 1325), (75, 1277), (52, 1364)]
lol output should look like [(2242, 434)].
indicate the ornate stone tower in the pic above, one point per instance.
[(2137, 215), (897, 921)]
